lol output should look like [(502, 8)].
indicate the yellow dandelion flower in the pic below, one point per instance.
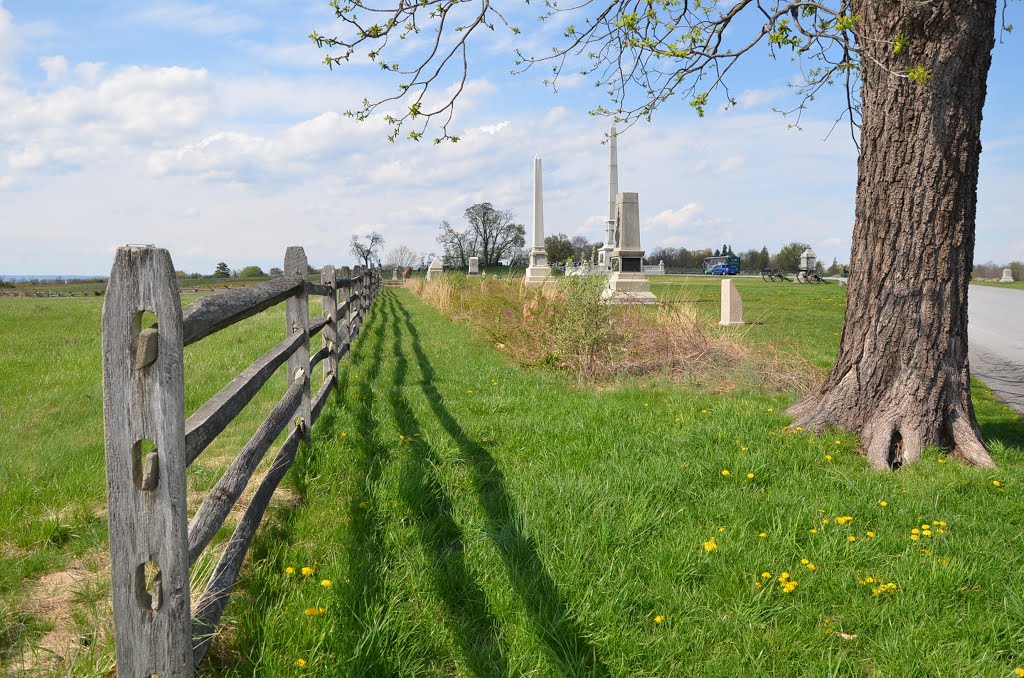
[(766, 575), (828, 457), (725, 472), (750, 476), (915, 531), (1019, 671), (703, 411), (926, 533), (813, 531), (311, 612), (710, 545), (812, 566), (743, 449), (721, 529), (940, 531), (658, 619), (306, 571), (996, 483), (646, 405), (763, 535), (839, 442), (804, 561), (883, 503), (915, 537), (301, 663), (289, 570), (825, 521), (757, 584), (871, 535), (851, 538), (799, 428), (771, 409), (326, 583), (344, 434)]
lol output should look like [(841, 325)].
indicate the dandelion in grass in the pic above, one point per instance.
[(326, 583), (301, 663), (871, 535), (804, 561), (646, 405), (289, 570), (710, 545), (743, 449), (852, 537), (703, 411), (813, 531), (883, 503), (771, 409), (766, 575), (828, 457), (344, 434), (839, 442), (306, 571), (750, 476), (812, 566), (659, 619), (996, 483), (763, 535), (799, 428), (312, 611), (721, 529), (725, 472), (1019, 671)]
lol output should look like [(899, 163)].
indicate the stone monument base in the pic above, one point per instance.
[(1007, 275), (628, 288), (539, 275)]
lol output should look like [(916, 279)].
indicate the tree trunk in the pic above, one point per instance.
[(902, 377)]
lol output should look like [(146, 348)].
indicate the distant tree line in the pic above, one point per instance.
[(490, 234)]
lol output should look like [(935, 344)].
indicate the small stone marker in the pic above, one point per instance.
[(394, 274), (474, 265), (435, 269), (732, 304), (1007, 275)]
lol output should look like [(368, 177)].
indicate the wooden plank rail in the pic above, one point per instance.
[(210, 314), (149, 443), (221, 499)]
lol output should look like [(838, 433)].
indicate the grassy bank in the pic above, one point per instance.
[(476, 519)]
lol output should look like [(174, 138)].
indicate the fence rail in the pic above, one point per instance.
[(149, 442)]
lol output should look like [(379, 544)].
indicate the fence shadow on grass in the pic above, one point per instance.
[(554, 625), (422, 490)]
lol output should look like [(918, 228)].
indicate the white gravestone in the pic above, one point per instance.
[(435, 269), (732, 304), (474, 265), (1007, 275), (628, 284)]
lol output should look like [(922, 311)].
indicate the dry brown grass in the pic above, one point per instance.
[(568, 328)]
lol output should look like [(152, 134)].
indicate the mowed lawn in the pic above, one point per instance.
[(462, 516)]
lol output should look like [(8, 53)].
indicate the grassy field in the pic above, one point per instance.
[(462, 516), (1015, 285)]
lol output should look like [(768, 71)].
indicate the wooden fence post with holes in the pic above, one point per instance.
[(144, 440), (345, 319), (329, 277), (296, 313)]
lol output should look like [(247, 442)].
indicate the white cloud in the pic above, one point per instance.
[(673, 220), (752, 98), (495, 128), (830, 242), (202, 19), (89, 72), (732, 162), (6, 182), (56, 67)]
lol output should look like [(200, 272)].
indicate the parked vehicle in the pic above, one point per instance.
[(727, 265)]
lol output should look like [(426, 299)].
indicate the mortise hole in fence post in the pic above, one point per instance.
[(145, 465), (296, 311), (144, 405), (148, 585)]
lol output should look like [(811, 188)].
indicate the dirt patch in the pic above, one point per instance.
[(53, 601)]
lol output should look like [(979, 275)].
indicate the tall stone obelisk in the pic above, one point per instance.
[(539, 272), (613, 191), (627, 284)]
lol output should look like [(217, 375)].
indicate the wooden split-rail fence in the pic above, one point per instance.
[(149, 442)]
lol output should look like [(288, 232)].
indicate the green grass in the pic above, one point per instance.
[(477, 519), (1015, 285)]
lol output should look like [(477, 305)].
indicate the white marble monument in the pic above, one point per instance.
[(605, 256), (1007, 275), (732, 304), (628, 284), (539, 273), (474, 265), (435, 269)]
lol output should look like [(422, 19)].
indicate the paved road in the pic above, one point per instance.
[(995, 334)]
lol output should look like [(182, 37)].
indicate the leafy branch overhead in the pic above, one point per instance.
[(643, 53)]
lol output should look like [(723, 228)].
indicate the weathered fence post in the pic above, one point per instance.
[(144, 440), (296, 313), (329, 277), (357, 302), (345, 327)]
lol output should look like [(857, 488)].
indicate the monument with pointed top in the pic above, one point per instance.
[(435, 269), (605, 258), (539, 273), (628, 284)]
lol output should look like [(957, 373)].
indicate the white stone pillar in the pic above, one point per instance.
[(732, 304), (613, 192), (628, 284), (539, 272)]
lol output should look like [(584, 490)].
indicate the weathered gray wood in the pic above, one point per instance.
[(316, 325), (218, 503), (146, 499), (208, 421), (345, 313), (320, 399), (320, 290), (211, 314), (211, 604), (296, 313), (329, 303), (317, 357)]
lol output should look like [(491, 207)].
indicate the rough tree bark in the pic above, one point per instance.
[(902, 377)]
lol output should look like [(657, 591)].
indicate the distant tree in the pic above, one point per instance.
[(458, 246), (367, 252), (718, 253), (1017, 269), (834, 268), (581, 248), (222, 270), (252, 272), (558, 247), (275, 271), (788, 258), (494, 232), (400, 257)]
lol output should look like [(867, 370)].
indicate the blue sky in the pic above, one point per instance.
[(213, 130)]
